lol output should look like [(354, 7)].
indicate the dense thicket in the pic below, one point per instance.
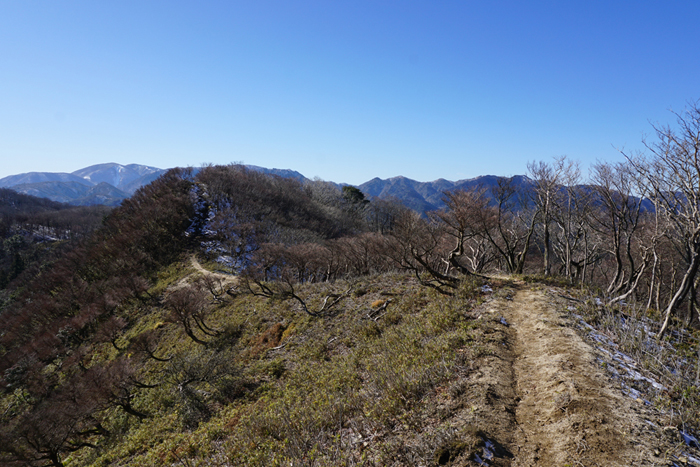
[(13, 203), (56, 315)]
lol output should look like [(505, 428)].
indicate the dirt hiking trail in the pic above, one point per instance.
[(560, 407), (227, 278), (217, 282)]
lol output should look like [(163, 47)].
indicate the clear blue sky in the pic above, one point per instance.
[(342, 90)]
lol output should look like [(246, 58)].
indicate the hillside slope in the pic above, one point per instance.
[(395, 375)]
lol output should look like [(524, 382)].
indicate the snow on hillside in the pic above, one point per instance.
[(116, 175)]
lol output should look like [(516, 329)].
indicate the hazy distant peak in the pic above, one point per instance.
[(39, 177)]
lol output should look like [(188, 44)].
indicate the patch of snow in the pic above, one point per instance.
[(583, 321), (226, 260), (690, 440), (633, 393), (602, 339), (623, 366), (488, 450), (649, 422), (685, 458)]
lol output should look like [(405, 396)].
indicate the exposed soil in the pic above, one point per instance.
[(550, 403), (227, 278), (218, 281)]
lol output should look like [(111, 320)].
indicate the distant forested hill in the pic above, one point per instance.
[(33, 228)]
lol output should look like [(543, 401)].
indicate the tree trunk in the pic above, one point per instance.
[(683, 289), (653, 278), (55, 459), (547, 247), (692, 316), (632, 287)]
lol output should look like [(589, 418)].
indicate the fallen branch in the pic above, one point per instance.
[(374, 314), (571, 298)]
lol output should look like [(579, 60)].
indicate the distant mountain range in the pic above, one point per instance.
[(427, 196), (109, 184)]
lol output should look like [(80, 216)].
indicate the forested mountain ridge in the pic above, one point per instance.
[(106, 184), (82, 186), (428, 196), (117, 175), (341, 337)]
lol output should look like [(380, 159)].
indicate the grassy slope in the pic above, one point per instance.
[(279, 387), (337, 390)]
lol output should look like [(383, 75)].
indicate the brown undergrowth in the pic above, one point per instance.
[(395, 374), (357, 386)]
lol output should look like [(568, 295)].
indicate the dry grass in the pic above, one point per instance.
[(351, 388), (627, 331)]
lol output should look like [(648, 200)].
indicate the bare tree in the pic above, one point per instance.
[(196, 378), (509, 226), (420, 246), (359, 255), (146, 343), (546, 179), (464, 209), (189, 307), (382, 213), (618, 219), (278, 272), (571, 240), (671, 174), (111, 330), (69, 418)]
